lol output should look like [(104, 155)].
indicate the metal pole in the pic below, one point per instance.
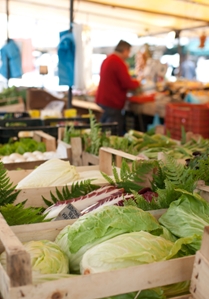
[(71, 29), (7, 15), (71, 15)]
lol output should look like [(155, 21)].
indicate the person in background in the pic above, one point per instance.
[(188, 68), (114, 83)]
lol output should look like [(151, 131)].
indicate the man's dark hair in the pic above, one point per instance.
[(122, 45)]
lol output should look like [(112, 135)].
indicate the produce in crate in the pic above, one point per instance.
[(29, 156), (21, 146), (187, 216), (96, 227), (130, 249), (46, 258), (104, 196), (54, 172)]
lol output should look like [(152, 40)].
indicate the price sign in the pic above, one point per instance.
[(69, 212)]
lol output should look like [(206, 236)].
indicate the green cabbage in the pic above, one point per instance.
[(186, 217), (96, 227), (46, 258), (129, 249)]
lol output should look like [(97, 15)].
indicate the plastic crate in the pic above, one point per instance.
[(193, 117), (66, 121), (21, 122)]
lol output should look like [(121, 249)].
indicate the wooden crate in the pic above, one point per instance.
[(200, 275), (39, 98), (16, 283), (20, 107), (34, 195), (39, 136)]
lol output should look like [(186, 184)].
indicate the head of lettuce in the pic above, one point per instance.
[(97, 227)]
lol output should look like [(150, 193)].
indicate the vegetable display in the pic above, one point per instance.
[(148, 145), (114, 230), (53, 172), (127, 250), (46, 258), (104, 196), (96, 227), (21, 146), (187, 216)]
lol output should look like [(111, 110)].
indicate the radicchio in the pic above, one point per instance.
[(85, 201)]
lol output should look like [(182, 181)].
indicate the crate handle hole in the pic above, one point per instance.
[(194, 289), (197, 275), (199, 261)]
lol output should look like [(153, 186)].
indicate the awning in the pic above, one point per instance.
[(143, 17)]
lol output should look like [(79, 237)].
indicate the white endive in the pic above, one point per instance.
[(54, 172)]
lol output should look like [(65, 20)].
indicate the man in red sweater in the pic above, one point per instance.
[(114, 83)]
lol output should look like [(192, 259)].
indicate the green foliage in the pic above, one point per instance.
[(183, 135), (17, 214), (141, 203), (130, 177), (158, 181), (22, 146), (77, 189), (95, 138), (178, 174), (9, 96), (199, 168), (124, 144), (8, 194), (70, 132)]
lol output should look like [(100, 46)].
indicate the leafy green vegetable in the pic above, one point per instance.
[(96, 227), (22, 146), (46, 257), (186, 217), (129, 249)]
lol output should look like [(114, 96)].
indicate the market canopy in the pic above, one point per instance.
[(143, 17)]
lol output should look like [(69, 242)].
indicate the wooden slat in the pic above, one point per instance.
[(23, 165), (61, 131), (105, 158), (4, 283), (200, 277), (205, 244), (112, 283), (49, 140), (48, 231), (89, 159), (76, 145), (18, 260)]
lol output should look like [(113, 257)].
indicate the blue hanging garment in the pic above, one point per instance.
[(10, 53), (66, 55)]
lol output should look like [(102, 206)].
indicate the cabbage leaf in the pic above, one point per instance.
[(186, 217), (46, 258), (96, 227), (130, 249)]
